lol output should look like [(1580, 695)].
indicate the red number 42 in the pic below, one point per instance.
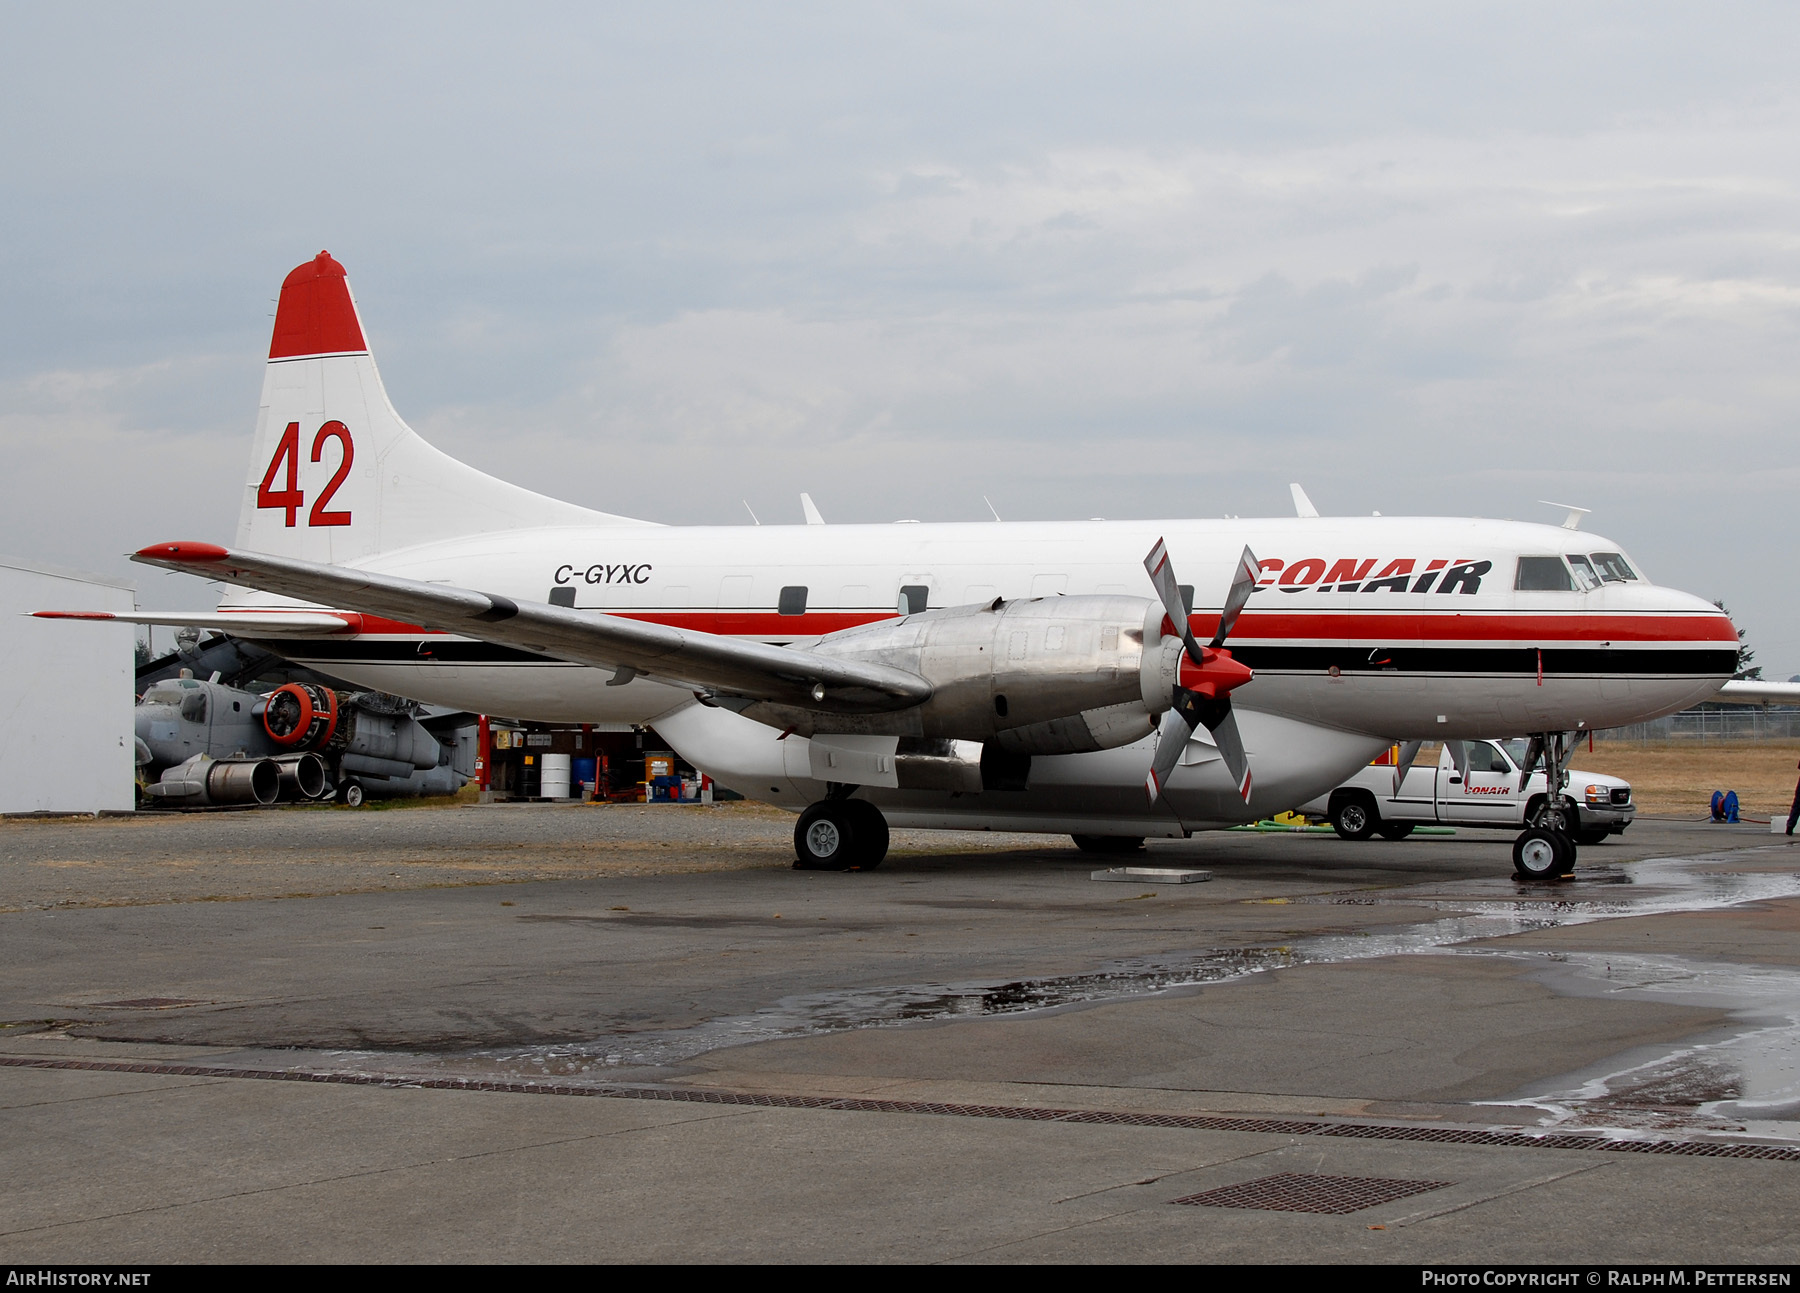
[(291, 499)]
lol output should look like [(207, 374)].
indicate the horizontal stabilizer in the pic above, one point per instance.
[(250, 624), (1759, 693)]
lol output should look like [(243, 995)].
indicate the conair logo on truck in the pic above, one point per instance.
[(1360, 574)]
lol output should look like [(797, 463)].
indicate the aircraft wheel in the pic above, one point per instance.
[(825, 837), (350, 794), (1108, 843), (1354, 819), (1540, 854), (1394, 830), (871, 831)]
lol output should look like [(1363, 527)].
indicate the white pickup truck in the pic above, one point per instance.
[(1486, 793)]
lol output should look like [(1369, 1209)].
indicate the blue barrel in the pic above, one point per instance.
[(583, 772)]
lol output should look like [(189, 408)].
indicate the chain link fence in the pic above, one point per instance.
[(1712, 723)]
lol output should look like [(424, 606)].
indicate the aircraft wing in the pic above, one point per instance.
[(1759, 693), (704, 661)]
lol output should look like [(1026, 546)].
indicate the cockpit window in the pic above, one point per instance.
[(1613, 567), (1543, 575), (1585, 578), (193, 707)]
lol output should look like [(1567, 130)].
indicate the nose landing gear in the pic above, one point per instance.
[(1546, 849), (840, 834)]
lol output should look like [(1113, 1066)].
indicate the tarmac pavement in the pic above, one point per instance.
[(605, 1034)]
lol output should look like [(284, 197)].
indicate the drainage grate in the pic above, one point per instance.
[(1300, 1192), (1508, 1138)]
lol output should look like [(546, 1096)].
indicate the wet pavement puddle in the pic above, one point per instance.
[(1743, 1080)]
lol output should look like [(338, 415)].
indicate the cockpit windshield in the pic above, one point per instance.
[(1613, 567), (1585, 578)]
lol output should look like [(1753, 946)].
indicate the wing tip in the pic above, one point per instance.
[(187, 552)]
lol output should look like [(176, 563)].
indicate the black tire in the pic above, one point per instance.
[(1540, 854), (1589, 835), (1108, 843), (1354, 819), (1394, 830), (871, 834), (825, 837), (350, 794)]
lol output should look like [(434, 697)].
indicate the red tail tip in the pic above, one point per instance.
[(316, 315), (189, 552)]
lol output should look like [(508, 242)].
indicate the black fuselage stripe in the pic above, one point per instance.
[(1360, 659)]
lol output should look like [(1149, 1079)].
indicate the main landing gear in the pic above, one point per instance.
[(840, 834), (1545, 849)]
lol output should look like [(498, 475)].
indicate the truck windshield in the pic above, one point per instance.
[(1516, 748)]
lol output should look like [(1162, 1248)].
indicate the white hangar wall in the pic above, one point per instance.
[(67, 692)]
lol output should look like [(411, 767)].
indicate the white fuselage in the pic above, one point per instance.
[(1363, 631)]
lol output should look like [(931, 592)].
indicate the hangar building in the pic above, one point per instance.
[(66, 735)]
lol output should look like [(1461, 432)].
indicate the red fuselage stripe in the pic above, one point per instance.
[(1290, 626)]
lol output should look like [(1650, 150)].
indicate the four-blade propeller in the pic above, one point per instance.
[(1208, 675)]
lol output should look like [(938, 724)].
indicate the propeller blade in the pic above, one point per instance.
[(1533, 752), (1222, 723), (1243, 583), (1162, 575), (1171, 739), (1403, 765)]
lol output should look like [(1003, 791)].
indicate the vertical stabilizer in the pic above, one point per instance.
[(336, 476)]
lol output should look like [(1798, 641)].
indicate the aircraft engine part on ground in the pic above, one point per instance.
[(819, 666), (315, 740), (206, 781)]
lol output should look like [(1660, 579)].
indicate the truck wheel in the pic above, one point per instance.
[(1593, 835), (1540, 854), (1394, 830), (1354, 819)]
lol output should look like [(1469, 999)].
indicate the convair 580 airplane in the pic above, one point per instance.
[(1035, 677)]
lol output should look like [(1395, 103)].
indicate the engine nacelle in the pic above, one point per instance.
[(1048, 675), (301, 716), (204, 781)]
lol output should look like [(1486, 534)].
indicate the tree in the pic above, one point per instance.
[(1745, 670)]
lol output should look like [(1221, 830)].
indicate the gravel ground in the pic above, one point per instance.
[(229, 855)]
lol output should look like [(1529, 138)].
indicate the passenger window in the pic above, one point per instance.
[(1613, 567), (1585, 578), (562, 597), (913, 598), (1543, 575), (793, 600)]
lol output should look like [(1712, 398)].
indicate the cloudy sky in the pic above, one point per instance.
[(1085, 260)]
